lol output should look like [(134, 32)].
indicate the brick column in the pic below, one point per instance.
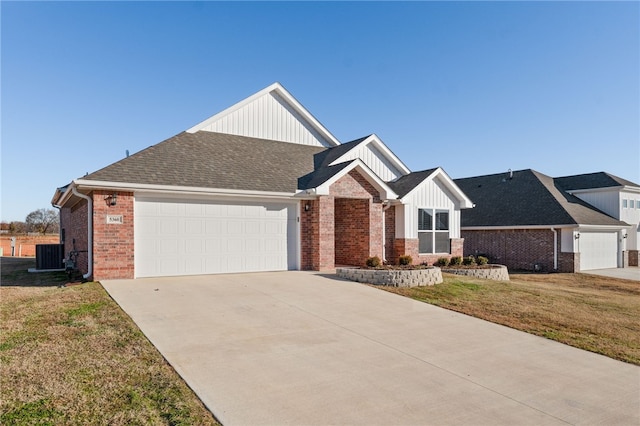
[(317, 234)]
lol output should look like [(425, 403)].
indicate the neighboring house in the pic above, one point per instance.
[(261, 186), (527, 220)]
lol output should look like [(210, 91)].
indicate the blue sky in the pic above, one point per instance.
[(473, 87)]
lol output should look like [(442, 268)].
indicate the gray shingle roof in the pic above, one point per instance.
[(321, 175), (529, 198), (215, 160), (324, 158), (592, 180), (404, 184)]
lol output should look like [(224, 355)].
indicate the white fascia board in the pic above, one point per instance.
[(465, 202), (514, 227), (625, 188), (284, 94), (386, 192), (172, 189), (377, 142), (603, 227)]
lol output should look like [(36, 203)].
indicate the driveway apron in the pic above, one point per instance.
[(303, 348)]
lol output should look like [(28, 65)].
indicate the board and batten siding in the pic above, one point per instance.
[(608, 201), (268, 117), (375, 160), (429, 195)]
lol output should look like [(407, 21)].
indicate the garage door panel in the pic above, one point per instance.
[(184, 237), (598, 250)]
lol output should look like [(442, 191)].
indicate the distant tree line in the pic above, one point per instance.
[(41, 221)]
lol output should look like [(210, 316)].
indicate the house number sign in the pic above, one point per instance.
[(114, 219)]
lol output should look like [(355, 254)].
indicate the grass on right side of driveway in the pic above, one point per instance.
[(589, 312)]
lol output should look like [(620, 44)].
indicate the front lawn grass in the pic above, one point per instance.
[(71, 356), (590, 312)]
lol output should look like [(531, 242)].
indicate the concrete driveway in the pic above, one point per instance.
[(306, 349), (628, 273)]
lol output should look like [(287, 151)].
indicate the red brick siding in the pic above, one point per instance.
[(113, 255), (390, 234), (518, 249), (343, 227), (352, 237), (633, 257), (73, 220)]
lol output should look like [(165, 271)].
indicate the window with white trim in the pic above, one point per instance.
[(624, 203), (433, 231)]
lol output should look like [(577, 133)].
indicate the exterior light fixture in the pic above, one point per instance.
[(112, 199), (307, 207), (577, 237)]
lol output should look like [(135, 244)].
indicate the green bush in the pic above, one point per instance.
[(469, 261), (405, 260), (373, 262), (442, 262), (482, 260), (456, 260)]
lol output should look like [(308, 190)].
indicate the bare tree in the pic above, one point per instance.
[(43, 221)]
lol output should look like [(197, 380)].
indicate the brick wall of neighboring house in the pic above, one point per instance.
[(633, 258), (113, 255), (73, 225), (519, 249)]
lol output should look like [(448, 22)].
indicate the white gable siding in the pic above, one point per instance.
[(631, 215), (375, 160), (608, 201), (268, 117), (430, 194)]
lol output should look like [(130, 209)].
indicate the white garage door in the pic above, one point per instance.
[(199, 237), (598, 250)]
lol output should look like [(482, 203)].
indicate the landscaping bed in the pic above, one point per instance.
[(393, 276), (487, 272)]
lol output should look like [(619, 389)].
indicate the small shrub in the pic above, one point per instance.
[(442, 262), (482, 260), (373, 262), (456, 260), (469, 261), (405, 260)]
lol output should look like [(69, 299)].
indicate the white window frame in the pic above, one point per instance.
[(625, 203), (433, 231)]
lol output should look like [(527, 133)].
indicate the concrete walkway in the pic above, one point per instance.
[(628, 273), (300, 348)]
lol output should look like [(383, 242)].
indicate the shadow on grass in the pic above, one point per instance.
[(14, 272)]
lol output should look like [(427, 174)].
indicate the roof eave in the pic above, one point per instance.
[(385, 191), (465, 202), (373, 138)]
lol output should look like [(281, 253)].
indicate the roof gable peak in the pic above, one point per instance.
[(274, 114)]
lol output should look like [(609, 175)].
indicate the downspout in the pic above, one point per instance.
[(555, 249), (89, 231), (385, 206)]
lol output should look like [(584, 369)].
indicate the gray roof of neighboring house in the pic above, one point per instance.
[(404, 184), (215, 160), (529, 198), (591, 181)]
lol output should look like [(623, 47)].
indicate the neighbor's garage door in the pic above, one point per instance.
[(198, 237), (598, 250)]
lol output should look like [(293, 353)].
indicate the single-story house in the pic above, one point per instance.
[(529, 221), (260, 186)]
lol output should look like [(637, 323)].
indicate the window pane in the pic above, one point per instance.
[(442, 242), (442, 220), (425, 220), (624, 204), (425, 242)]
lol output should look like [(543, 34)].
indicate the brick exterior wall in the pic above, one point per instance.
[(344, 227), (390, 234), (113, 255), (73, 226), (520, 249), (404, 246), (633, 258)]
